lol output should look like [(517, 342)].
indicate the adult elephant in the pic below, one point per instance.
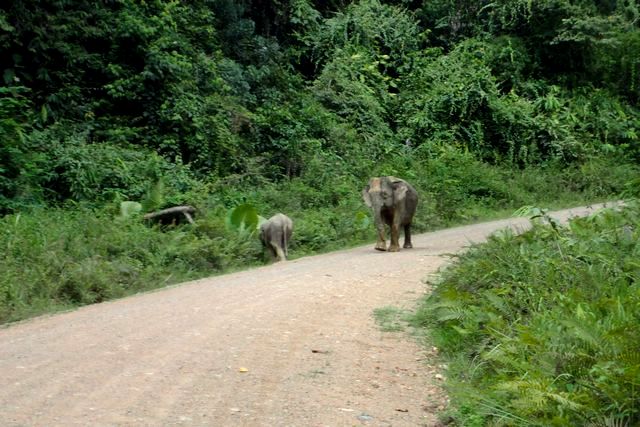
[(275, 234), (393, 201)]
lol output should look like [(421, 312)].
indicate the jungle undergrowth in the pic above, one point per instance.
[(539, 328), (81, 254)]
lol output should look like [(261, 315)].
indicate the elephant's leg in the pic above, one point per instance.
[(277, 239), (272, 251), (407, 236), (286, 236), (279, 252), (381, 244), (395, 234)]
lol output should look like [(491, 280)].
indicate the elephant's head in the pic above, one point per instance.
[(382, 193)]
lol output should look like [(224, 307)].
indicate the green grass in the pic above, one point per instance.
[(391, 319), (541, 329), (56, 258)]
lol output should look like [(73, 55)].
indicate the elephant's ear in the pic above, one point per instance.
[(365, 196), (399, 190)]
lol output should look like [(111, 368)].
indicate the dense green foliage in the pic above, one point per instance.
[(93, 92), (541, 328)]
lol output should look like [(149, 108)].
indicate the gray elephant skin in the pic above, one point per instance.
[(393, 202), (275, 234)]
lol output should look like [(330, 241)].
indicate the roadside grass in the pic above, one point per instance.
[(60, 258), (541, 329), (391, 319)]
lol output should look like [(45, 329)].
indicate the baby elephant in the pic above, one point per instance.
[(275, 234)]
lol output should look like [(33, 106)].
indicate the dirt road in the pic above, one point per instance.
[(290, 344)]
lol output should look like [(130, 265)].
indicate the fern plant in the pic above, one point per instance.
[(543, 325)]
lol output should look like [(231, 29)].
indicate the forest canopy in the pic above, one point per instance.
[(100, 98)]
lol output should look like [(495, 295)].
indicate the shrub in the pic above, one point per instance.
[(21, 166)]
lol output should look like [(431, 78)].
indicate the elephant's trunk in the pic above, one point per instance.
[(377, 219), (381, 244)]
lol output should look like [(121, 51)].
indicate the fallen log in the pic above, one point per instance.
[(169, 215)]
